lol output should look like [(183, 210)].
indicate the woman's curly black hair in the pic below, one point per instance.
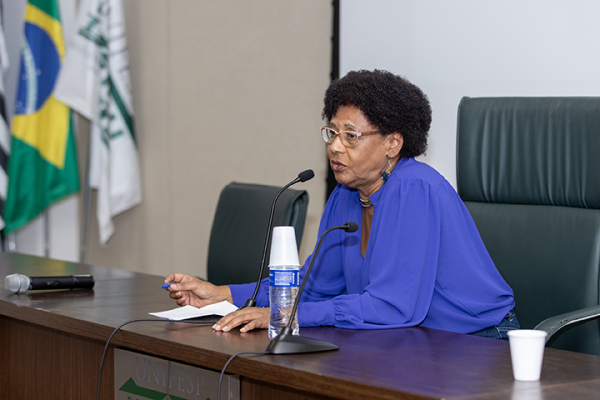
[(390, 102)]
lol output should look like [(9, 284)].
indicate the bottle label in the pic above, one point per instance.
[(283, 278)]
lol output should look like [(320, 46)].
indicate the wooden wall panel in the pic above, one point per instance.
[(222, 91)]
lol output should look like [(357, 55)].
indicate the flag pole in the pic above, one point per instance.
[(10, 243), (46, 233), (87, 192)]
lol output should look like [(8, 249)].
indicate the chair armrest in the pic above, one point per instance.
[(554, 324)]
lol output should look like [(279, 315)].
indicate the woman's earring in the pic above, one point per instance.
[(384, 174)]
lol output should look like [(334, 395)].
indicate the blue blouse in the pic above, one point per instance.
[(425, 264)]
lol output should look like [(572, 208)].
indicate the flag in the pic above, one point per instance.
[(4, 130), (43, 164), (95, 82)]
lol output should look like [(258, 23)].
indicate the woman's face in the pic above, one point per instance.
[(360, 167)]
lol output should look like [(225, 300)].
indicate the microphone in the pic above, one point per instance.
[(285, 342), (302, 177), (18, 283)]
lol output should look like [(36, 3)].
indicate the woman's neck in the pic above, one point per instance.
[(365, 193)]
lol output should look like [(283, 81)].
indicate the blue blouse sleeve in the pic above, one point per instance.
[(397, 278), (243, 292)]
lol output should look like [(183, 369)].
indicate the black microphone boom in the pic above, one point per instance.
[(285, 342), (302, 177)]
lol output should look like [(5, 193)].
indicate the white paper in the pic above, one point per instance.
[(177, 314)]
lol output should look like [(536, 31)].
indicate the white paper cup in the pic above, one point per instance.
[(527, 353), (526, 391), (284, 250)]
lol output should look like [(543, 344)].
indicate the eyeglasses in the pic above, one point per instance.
[(348, 138)]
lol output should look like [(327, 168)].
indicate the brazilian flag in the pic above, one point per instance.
[(43, 164)]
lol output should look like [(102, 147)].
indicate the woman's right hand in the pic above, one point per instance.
[(189, 290)]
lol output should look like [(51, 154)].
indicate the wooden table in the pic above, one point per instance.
[(51, 345)]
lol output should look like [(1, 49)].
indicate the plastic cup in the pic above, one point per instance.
[(284, 250), (527, 353)]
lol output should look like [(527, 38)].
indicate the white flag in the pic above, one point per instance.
[(94, 81)]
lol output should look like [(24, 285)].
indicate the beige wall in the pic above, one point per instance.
[(223, 91)]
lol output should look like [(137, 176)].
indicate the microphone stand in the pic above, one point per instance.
[(302, 177), (285, 342)]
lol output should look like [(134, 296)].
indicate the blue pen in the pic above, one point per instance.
[(166, 285)]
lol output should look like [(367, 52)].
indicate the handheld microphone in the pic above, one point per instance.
[(18, 283), (285, 342), (302, 177)]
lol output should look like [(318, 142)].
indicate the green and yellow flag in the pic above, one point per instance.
[(43, 164)]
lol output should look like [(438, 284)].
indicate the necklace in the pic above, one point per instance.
[(366, 203)]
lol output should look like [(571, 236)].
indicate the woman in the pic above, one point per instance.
[(417, 259)]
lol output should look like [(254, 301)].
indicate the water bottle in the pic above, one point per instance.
[(284, 268)]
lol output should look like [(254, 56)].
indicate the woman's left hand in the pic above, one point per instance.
[(253, 317)]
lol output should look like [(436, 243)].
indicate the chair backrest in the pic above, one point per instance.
[(528, 170), (239, 229)]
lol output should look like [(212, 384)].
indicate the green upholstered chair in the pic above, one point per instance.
[(239, 230), (528, 170)]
